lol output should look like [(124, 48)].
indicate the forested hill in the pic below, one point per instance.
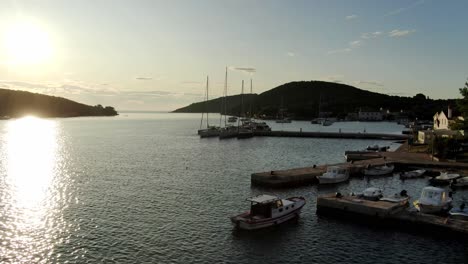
[(304, 99), (20, 103)]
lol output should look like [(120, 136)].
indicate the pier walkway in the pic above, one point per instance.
[(307, 175), (346, 135)]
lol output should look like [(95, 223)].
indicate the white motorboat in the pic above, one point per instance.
[(245, 132), (260, 126), (232, 119), (412, 174), (459, 213), (268, 210), (334, 174), (379, 170), (372, 194), (460, 182), (433, 200), (445, 178)]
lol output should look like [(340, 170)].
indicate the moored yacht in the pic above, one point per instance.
[(268, 210), (445, 178)]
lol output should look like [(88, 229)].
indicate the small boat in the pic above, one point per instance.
[(445, 178), (228, 132), (327, 122), (379, 170), (245, 132), (377, 148), (372, 194), (412, 174), (283, 121), (268, 210), (232, 119), (459, 213), (260, 126), (460, 182), (315, 121), (433, 200), (334, 174), (401, 198), (211, 131)]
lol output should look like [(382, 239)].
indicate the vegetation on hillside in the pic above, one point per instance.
[(303, 100), (20, 103)]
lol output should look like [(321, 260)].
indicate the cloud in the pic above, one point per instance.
[(291, 54), (244, 69), (371, 35), (337, 78), (351, 17), (355, 43), (396, 33), (144, 78), (374, 83), (345, 50), (404, 9)]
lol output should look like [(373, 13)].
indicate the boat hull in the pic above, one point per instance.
[(243, 222), (332, 180), (378, 172), (432, 209)]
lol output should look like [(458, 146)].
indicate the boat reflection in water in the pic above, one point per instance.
[(28, 192)]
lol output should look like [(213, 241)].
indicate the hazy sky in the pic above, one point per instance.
[(155, 55)]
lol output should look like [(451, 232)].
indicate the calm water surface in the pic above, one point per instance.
[(144, 188)]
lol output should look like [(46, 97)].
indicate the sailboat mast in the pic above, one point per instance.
[(242, 104), (206, 104), (203, 112), (250, 111), (225, 98)]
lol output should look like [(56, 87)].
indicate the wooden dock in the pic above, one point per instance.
[(395, 214), (346, 135)]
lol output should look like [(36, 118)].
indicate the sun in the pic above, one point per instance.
[(26, 43)]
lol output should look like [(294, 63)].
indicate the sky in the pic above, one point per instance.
[(155, 55)]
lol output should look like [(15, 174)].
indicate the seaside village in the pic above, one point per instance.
[(432, 151)]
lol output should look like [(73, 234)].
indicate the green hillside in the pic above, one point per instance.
[(303, 100), (20, 103)]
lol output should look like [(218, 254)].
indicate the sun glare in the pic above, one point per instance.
[(27, 43)]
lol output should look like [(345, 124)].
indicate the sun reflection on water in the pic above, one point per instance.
[(30, 164)]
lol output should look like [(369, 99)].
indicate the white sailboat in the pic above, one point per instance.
[(209, 131)]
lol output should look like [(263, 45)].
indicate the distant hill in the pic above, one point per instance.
[(303, 100), (20, 103)]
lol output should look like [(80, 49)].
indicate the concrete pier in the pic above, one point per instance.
[(307, 175), (331, 135), (387, 213)]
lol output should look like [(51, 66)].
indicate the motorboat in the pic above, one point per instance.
[(433, 200), (372, 194), (334, 174), (460, 182), (379, 170), (445, 178), (232, 119), (412, 174), (459, 213), (211, 131), (315, 121), (268, 210)]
